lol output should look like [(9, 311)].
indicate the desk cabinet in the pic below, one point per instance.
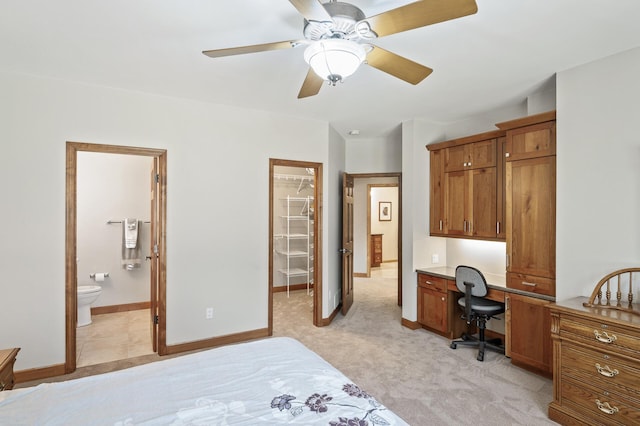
[(596, 357), (432, 302), (7, 359), (528, 332), (438, 309)]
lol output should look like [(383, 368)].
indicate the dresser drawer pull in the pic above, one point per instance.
[(429, 282), (606, 371), (604, 337), (606, 408), (529, 284)]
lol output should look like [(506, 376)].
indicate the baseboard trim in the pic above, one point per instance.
[(360, 275), (126, 307), (292, 287), (39, 373), (412, 325), (327, 321), (217, 341)]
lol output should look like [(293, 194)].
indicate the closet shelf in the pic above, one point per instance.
[(294, 272), (293, 253), (291, 236)]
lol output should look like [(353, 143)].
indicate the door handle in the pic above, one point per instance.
[(344, 251)]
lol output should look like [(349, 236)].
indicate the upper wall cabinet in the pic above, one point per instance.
[(466, 190)]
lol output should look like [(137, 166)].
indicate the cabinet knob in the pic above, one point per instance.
[(507, 155), (442, 298)]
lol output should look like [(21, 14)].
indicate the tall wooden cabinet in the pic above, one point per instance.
[(530, 177)]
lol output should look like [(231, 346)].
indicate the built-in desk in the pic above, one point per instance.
[(527, 334)]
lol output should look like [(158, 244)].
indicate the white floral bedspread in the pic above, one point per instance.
[(271, 381)]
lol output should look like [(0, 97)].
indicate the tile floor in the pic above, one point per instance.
[(114, 336)]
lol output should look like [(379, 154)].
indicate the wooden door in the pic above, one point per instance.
[(531, 216), (482, 212), (347, 242), (456, 195), (529, 334), (436, 195), (433, 310), (153, 252)]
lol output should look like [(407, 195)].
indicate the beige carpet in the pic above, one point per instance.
[(414, 372)]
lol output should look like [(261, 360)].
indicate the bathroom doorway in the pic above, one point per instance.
[(149, 263)]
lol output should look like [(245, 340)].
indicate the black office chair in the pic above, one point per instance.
[(477, 309)]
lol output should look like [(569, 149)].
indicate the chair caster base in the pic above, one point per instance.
[(453, 346)]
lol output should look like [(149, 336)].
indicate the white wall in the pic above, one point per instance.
[(216, 256), (381, 155), (388, 229), (598, 172), (112, 187)]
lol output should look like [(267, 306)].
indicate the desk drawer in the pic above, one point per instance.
[(600, 336), (531, 284), (603, 370), (430, 281), (605, 407)]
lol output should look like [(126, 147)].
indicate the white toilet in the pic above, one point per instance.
[(87, 294)]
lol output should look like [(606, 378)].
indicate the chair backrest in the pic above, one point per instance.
[(471, 275)]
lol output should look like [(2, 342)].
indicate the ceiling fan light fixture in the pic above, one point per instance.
[(335, 59)]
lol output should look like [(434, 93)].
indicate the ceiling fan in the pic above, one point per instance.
[(339, 38)]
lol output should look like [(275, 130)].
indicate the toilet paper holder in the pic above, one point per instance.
[(106, 274)]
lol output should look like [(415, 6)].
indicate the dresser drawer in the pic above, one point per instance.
[(430, 281), (603, 370), (602, 336), (606, 407)]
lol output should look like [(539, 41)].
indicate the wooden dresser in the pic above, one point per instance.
[(596, 365), (376, 250), (7, 359)]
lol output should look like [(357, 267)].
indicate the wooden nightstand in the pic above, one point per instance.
[(7, 359)]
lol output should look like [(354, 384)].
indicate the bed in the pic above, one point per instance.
[(271, 381)]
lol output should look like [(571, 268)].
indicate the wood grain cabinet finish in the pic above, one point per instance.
[(7, 359), (466, 181), (438, 309), (529, 333), (436, 193), (596, 360), (376, 250), (530, 176)]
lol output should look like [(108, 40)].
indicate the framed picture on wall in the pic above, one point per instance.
[(384, 211)]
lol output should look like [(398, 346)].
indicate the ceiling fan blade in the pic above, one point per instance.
[(420, 14), (218, 53), (311, 86), (312, 10), (397, 66)]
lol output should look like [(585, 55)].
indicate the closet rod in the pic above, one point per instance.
[(109, 222)]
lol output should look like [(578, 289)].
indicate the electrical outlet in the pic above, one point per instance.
[(209, 313), (435, 258)]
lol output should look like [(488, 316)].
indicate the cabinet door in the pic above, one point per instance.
[(456, 203), (432, 309), (531, 217), (436, 193), (529, 332), (482, 154), (501, 189), (483, 203), (457, 158), (531, 141)]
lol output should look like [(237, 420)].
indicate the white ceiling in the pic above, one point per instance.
[(492, 59)]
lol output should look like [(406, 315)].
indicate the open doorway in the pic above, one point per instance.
[(295, 217), (148, 262), (377, 228)]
